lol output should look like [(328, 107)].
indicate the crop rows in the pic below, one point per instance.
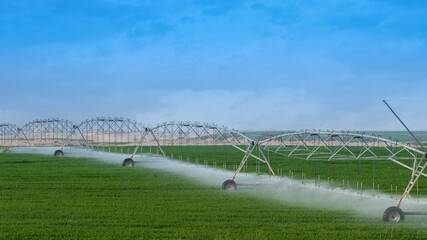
[(372, 175), (42, 197)]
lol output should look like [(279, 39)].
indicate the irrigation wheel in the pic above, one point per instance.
[(229, 185), (128, 162), (58, 153), (393, 214)]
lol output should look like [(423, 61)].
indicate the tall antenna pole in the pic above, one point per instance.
[(419, 143)]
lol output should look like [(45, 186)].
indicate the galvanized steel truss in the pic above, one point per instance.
[(8, 132), (329, 146), (43, 132), (106, 131)]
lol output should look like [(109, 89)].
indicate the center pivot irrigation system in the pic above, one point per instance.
[(209, 144)]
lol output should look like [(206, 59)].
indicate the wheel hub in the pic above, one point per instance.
[(229, 186), (394, 216)]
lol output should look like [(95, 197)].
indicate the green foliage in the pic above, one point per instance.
[(43, 197)]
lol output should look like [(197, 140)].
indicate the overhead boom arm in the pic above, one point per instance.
[(407, 129)]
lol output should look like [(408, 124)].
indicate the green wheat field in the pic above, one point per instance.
[(42, 197)]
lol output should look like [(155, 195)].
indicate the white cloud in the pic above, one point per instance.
[(279, 109)]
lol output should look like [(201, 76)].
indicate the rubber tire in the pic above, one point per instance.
[(58, 153), (388, 217), (128, 162), (229, 185)]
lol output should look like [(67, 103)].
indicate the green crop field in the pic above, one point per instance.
[(42, 197), (365, 175)]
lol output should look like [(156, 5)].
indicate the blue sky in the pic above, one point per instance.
[(245, 64)]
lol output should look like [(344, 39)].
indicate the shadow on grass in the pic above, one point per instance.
[(23, 161)]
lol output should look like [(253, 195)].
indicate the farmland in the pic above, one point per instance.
[(43, 197), (365, 175)]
